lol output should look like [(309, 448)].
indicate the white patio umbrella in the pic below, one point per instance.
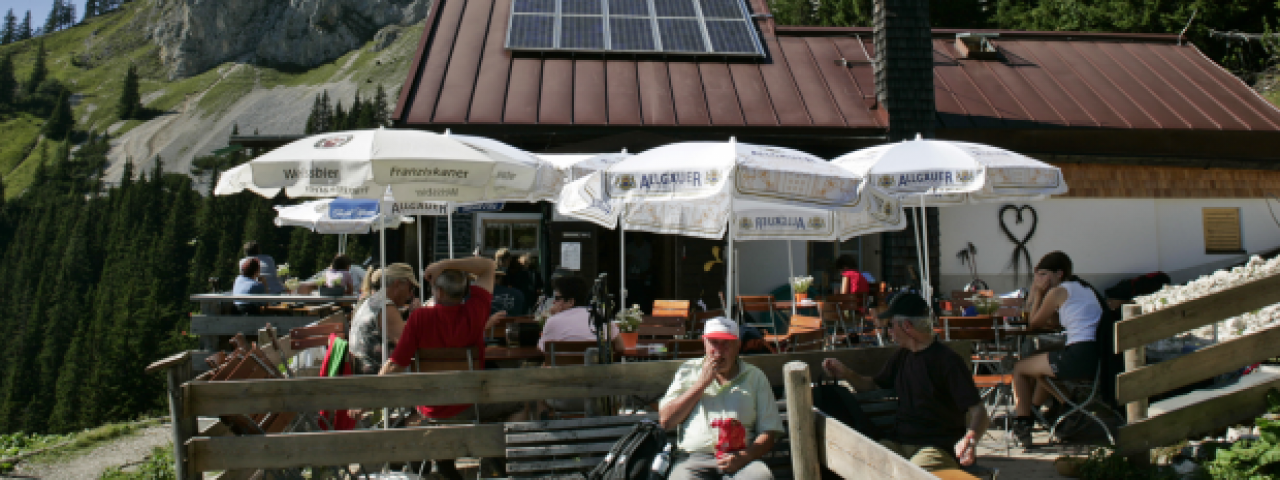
[(708, 189), (238, 179), (316, 215), (940, 173)]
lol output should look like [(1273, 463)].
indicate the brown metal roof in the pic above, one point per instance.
[(1051, 88)]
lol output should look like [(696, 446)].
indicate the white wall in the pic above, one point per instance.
[(1107, 239), (763, 265)]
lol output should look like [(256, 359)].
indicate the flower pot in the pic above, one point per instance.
[(629, 339), (802, 297)]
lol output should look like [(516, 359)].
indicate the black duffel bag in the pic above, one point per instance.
[(632, 458), (839, 403)]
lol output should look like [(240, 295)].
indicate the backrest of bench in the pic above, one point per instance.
[(540, 449)]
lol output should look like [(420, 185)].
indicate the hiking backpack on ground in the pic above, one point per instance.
[(643, 454)]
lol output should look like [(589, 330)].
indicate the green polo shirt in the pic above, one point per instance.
[(748, 398)]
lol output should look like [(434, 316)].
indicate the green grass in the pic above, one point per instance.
[(21, 176), (21, 132), (157, 466), (83, 441)]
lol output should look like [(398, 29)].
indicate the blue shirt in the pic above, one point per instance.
[(245, 286)]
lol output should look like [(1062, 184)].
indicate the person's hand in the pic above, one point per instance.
[(730, 462), (495, 318), (1040, 285), (709, 368), (966, 450), (835, 368)]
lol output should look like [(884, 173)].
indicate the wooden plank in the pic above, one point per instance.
[(549, 450), (548, 465), (1170, 321), (568, 435), (174, 360), (1196, 366), (489, 386), (804, 442), (233, 324), (343, 448), (851, 455), (579, 423), (1195, 420)]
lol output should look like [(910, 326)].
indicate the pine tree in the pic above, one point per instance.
[(69, 14), (324, 122), (313, 117), (39, 71), (54, 20), (9, 33), (339, 121), (24, 29), (8, 84), (62, 120), (90, 9), (130, 104), (381, 110)]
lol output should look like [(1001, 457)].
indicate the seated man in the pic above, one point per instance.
[(505, 298), (248, 283), (934, 387), (366, 323), (710, 390)]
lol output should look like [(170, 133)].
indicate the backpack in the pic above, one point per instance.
[(633, 457)]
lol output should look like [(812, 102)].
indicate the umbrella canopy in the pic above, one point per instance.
[(954, 173), (419, 166), (238, 179), (337, 216)]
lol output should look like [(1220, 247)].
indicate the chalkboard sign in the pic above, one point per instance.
[(463, 232)]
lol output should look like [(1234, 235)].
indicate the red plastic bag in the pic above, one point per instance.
[(733, 437)]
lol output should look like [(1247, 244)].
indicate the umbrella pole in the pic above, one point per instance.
[(622, 264), (924, 224), (915, 232), (422, 286), (791, 273), (730, 259), (386, 356), (449, 217)]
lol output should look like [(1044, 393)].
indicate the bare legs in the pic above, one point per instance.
[(1028, 391)]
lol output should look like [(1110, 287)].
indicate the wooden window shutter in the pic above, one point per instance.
[(1222, 230)]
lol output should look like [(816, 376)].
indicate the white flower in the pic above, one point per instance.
[(1229, 328)]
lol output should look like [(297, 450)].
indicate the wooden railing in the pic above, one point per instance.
[(1140, 381), (198, 454)]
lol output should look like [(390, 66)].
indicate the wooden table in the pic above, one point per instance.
[(213, 326), (496, 352)]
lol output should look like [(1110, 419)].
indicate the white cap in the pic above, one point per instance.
[(720, 328)]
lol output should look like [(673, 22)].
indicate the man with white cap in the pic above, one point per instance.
[(725, 409)]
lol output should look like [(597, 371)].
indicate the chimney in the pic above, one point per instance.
[(904, 67)]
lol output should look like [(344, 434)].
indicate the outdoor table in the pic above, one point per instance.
[(511, 357), (213, 326), (1024, 334)]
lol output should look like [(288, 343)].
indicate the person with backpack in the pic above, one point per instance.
[(1058, 299), (726, 411)]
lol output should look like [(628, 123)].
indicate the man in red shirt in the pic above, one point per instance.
[(455, 320)]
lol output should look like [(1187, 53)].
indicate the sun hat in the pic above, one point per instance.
[(906, 305), (397, 271), (720, 328)]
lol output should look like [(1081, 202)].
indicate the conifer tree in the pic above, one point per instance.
[(9, 33), (54, 20), (324, 121), (312, 117), (39, 70), (8, 84), (130, 104), (381, 110), (90, 9), (339, 121), (62, 120), (24, 29)]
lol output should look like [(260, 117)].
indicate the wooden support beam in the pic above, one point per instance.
[(343, 448), (488, 386), (1194, 420), (800, 425), (246, 324), (851, 455), (1151, 380), (1135, 409), (1170, 321), (177, 369)]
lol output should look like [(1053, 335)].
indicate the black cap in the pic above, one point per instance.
[(906, 305)]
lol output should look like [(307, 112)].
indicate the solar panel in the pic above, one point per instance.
[(630, 34), (582, 33), (707, 27), (531, 31), (730, 36)]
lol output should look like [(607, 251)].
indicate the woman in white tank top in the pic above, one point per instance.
[(1060, 301)]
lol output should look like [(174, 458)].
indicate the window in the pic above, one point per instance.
[(515, 231), (1222, 230)]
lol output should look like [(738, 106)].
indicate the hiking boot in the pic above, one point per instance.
[(1051, 414), (1021, 431)]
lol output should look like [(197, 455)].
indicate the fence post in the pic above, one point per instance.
[(177, 369), (1134, 359), (802, 429)]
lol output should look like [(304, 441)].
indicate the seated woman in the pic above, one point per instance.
[(1057, 299), (249, 282), (339, 270)]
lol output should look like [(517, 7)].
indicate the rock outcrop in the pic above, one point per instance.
[(196, 35)]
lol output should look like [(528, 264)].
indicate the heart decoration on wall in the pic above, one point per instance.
[(1020, 251)]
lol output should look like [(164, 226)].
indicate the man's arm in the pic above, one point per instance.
[(732, 462), (967, 447), (859, 382), (676, 411), (391, 367), (482, 268)]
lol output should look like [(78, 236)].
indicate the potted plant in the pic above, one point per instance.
[(985, 305), (628, 322), (800, 287)]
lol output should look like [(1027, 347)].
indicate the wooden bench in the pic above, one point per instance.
[(564, 448)]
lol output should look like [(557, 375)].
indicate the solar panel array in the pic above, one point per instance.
[(718, 27)]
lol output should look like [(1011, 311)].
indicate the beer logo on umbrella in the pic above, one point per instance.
[(334, 141), (745, 223), (713, 177), (885, 181), (817, 223), (626, 181), (964, 176)]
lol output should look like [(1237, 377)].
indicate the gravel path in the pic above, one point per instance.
[(91, 463)]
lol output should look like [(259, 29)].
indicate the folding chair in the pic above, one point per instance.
[(751, 304), (676, 309), (800, 324), (837, 311), (428, 360), (687, 348), (573, 353), (1063, 389), (660, 327)]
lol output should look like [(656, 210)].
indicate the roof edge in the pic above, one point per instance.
[(410, 86), (796, 30)]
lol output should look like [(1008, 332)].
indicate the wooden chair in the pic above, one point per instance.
[(749, 304), (315, 335), (800, 324), (664, 327), (567, 353), (842, 310), (687, 348), (984, 331), (700, 318), (428, 360), (673, 309)]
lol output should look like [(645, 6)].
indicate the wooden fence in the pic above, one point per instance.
[(197, 453), (1140, 381)]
